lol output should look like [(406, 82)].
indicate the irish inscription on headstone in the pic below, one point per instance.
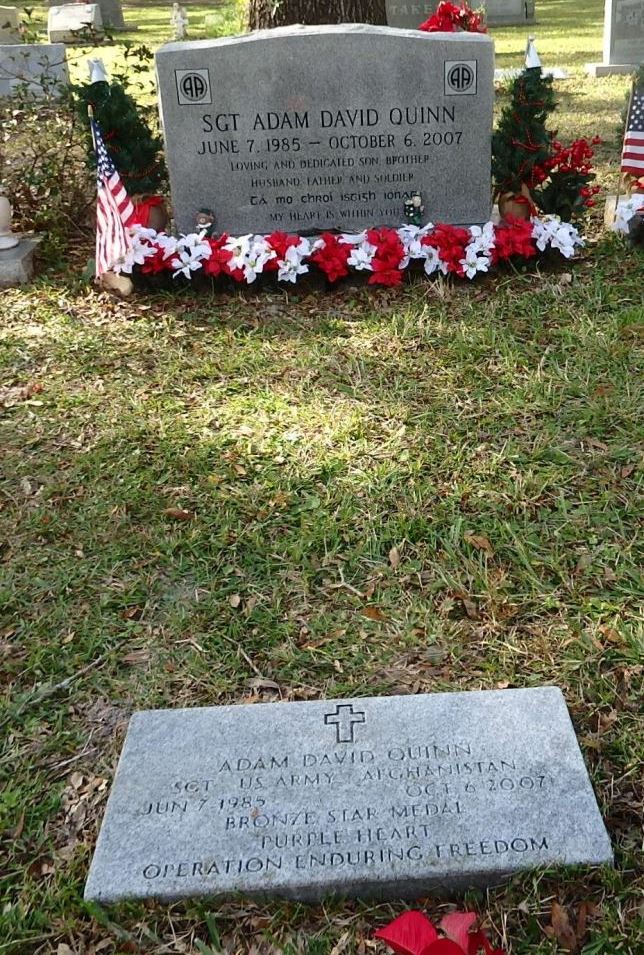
[(623, 38), (313, 128), (389, 797)]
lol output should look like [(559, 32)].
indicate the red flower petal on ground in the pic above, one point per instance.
[(410, 934), (457, 925), (444, 946), (478, 940)]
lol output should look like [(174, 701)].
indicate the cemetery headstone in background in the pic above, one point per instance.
[(499, 13), (411, 13), (9, 25), (69, 23), (40, 68), (314, 128), (390, 796), (623, 38), (112, 14)]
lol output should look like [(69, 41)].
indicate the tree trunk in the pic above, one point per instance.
[(264, 14)]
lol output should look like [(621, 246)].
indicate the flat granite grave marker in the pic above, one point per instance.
[(623, 38), (314, 128), (387, 797)]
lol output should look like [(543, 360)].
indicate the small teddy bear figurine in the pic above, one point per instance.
[(205, 223), (414, 209)]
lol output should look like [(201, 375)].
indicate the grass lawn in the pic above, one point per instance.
[(306, 437)]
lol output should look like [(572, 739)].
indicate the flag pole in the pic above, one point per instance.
[(628, 116), (90, 116)]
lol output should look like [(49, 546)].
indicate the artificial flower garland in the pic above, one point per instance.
[(384, 253)]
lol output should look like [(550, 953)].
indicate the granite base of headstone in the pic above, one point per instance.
[(387, 797), (17, 263), (623, 51), (40, 69), (410, 14), (9, 25), (74, 23), (288, 128)]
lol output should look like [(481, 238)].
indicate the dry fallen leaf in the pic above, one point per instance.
[(394, 557), (178, 514), (373, 613), (137, 656), (561, 929), (480, 542), (261, 683), (234, 600)]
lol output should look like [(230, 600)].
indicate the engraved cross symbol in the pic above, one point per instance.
[(344, 719)]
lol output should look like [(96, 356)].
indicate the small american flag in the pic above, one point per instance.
[(114, 209), (633, 151)]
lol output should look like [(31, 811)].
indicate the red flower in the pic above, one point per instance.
[(155, 263), (331, 258), (449, 18), (513, 237), (450, 242), (413, 934), (279, 242), (219, 261), (386, 262)]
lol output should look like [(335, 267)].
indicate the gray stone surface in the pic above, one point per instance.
[(9, 25), (68, 23), (17, 264), (623, 38), (112, 14), (386, 797), (312, 128), (40, 68), (509, 12), (411, 13)]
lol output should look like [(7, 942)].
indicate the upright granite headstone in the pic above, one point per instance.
[(623, 38), (39, 68), (411, 13), (72, 22), (9, 25), (112, 14), (390, 797), (313, 128)]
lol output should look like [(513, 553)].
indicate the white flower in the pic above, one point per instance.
[(482, 238), (353, 238), (433, 261), (239, 247), (551, 231), (362, 256), (626, 210), (188, 260), (291, 266), (410, 236), (473, 263), (256, 258), (139, 250)]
